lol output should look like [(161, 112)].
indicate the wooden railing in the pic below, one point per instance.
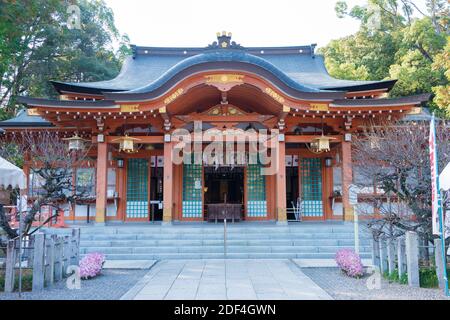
[(48, 256)]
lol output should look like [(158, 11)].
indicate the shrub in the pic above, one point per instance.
[(350, 263), (91, 265), (428, 278), (27, 280)]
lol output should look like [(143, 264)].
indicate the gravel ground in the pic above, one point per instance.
[(342, 287), (110, 285)]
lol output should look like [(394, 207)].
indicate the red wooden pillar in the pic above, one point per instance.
[(281, 185), (347, 178), (102, 176), (168, 184)]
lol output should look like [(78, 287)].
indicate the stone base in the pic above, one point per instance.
[(99, 224), (282, 223), (166, 223)]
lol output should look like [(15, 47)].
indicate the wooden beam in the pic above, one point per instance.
[(102, 175), (143, 139), (168, 184), (347, 178), (237, 118), (309, 138), (281, 185)]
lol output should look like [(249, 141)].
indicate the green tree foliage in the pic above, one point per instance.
[(442, 93), (38, 45), (396, 40)]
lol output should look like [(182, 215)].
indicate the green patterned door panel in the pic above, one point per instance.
[(311, 187), (192, 191), (137, 189), (256, 192)]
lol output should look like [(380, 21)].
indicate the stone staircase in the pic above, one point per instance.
[(206, 241)]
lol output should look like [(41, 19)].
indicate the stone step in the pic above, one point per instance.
[(184, 242), (246, 241), (211, 230), (216, 249), (219, 236), (221, 256)]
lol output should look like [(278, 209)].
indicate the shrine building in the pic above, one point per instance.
[(223, 89)]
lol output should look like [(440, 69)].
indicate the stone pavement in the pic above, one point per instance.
[(129, 264), (226, 279)]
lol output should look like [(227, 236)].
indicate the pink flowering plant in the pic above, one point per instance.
[(350, 263), (91, 265)]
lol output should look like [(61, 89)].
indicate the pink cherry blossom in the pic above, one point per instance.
[(91, 265), (350, 262)]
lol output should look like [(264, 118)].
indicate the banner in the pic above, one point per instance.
[(434, 179)]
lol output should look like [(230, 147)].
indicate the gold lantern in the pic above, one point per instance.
[(320, 144), (76, 143), (126, 144)]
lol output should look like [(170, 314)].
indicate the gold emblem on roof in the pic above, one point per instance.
[(129, 108), (274, 95), (174, 96), (224, 78), (319, 106), (32, 112), (415, 110)]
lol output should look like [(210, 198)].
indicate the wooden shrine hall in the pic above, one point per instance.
[(130, 121)]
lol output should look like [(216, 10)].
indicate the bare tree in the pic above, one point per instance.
[(49, 159), (395, 156)]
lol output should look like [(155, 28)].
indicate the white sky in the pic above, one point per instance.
[(253, 22)]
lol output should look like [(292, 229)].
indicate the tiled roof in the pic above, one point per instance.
[(299, 67), (24, 120)]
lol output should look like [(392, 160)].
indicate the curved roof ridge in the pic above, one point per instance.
[(297, 66), (220, 55)]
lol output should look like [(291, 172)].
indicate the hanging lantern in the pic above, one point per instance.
[(320, 144), (126, 144), (76, 142)]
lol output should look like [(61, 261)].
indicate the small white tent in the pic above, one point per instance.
[(11, 175), (444, 178)]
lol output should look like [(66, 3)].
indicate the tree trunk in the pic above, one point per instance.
[(4, 224)]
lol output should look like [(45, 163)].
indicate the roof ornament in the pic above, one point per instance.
[(313, 47), (224, 42), (133, 48)]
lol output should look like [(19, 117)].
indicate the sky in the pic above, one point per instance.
[(252, 22)]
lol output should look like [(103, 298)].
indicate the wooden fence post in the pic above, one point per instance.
[(30, 243), (401, 258), (391, 255), (412, 258), (383, 256), (38, 262), (375, 252), (58, 258), (75, 244), (50, 261), (439, 262), (67, 253), (10, 264)]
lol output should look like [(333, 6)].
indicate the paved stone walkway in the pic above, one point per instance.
[(226, 279)]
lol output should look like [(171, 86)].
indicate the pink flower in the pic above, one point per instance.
[(91, 265), (350, 262)]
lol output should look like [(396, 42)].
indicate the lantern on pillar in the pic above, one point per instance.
[(76, 143)]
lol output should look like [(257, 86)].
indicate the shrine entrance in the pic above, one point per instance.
[(224, 185)]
